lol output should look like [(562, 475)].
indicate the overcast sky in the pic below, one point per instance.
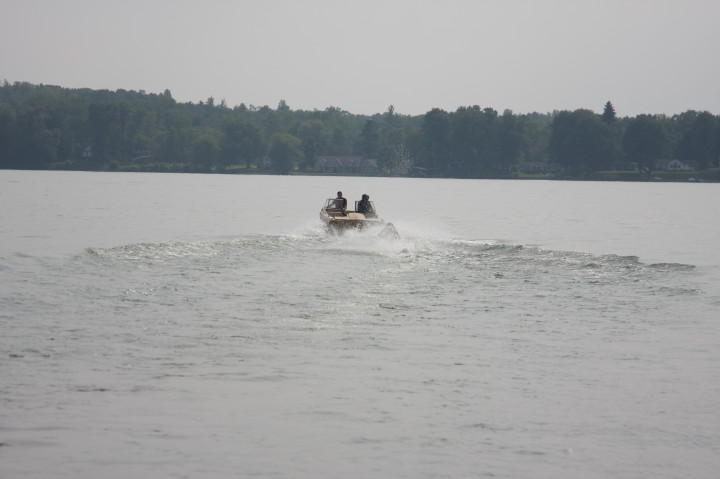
[(645, 56)]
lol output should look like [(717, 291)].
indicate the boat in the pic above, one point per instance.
[(338, 219)]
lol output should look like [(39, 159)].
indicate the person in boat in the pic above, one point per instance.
[(364, 206), (341, 202)]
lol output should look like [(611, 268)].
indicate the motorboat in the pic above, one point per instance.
[(338, 219)]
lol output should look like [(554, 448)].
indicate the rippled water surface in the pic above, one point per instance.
[(207, 326)]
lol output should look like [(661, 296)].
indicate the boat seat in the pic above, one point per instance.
[(334, 212)]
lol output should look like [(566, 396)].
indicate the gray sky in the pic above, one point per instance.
[(646, 56)]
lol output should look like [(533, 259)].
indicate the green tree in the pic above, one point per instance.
[(581, 142), (476, 138), (435, 140), (535, 137), (512, 140), (105, 132), (241, 141), (7, 138), (37, 144), (467, 125), (370, 139), (315, 136), (205, 149), (176, 146), (344, 132), (390, 116), (283, 107), (285, 151), (645, 140), (608, 115), (701, 142)]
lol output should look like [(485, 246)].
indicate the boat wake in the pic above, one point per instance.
[(487, 255)]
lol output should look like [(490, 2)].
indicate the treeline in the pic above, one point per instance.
[(50, 127)]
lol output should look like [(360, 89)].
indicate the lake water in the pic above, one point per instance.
[(205, 326)]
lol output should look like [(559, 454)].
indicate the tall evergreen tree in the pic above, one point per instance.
[(609, 116)]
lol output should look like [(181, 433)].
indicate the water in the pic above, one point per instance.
[(205, 326)]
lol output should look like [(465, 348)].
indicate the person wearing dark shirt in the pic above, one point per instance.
[(340, 201), (364, 206)]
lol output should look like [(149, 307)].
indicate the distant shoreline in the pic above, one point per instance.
[(52, 128), (705, 176)]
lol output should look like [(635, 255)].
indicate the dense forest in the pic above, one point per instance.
[(50, 127)]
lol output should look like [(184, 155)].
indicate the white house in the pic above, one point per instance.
[(675, 165)]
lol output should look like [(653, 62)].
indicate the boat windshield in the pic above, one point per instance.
[(333, 203)]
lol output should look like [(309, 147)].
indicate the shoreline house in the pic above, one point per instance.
[(676, 165), (347, 164)]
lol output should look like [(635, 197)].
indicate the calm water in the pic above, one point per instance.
[(173, 326)]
